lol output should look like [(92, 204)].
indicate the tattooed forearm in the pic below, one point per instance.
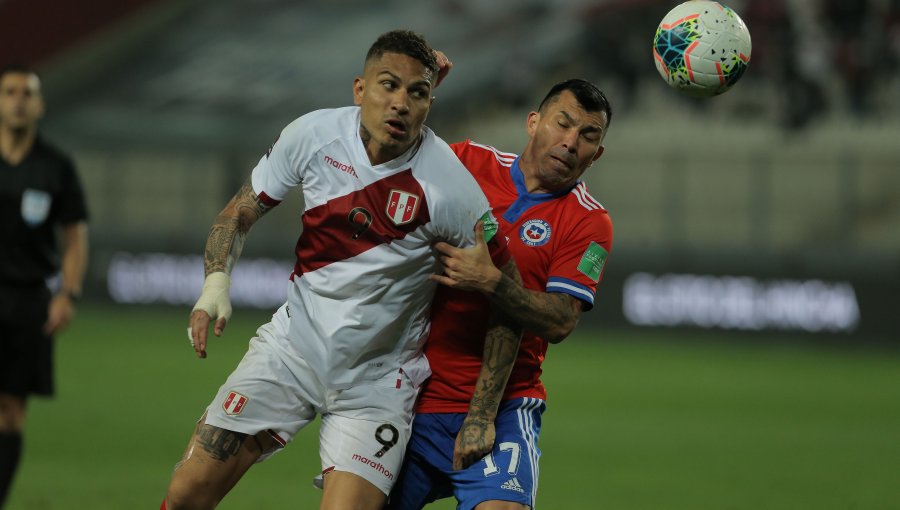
[(501, 345), (227, 235), (220, 444), (550, 315)]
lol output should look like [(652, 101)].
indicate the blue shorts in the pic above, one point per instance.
[(509, 473)]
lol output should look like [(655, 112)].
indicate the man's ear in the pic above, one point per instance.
[(359, 84), (599, 153), (531, 123)]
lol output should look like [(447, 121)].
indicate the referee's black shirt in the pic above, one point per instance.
[(37, 195)]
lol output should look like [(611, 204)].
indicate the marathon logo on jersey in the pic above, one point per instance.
[(592, 261), (535, 232), (35, 206), (234, 403), (343, 167), (402, 206)]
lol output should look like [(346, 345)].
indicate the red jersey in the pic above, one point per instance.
[(559, 241)]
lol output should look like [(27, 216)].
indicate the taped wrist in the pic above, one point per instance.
[(214, 298)]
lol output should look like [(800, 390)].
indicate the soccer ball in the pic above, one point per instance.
[(701, 48)]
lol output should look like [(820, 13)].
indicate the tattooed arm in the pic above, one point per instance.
[(501, 345), (549, 315), (227, 235), (223, 248)]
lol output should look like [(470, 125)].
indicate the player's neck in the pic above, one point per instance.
[(380, 154), (16, 143)]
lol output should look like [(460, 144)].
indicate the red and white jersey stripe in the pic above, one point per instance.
[(360, 294)]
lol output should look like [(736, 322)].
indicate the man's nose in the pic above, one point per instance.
[(401, 102)]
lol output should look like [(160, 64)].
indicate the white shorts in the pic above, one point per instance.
[(364, 428)]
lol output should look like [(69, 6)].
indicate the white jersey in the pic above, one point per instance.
[(360, 296)]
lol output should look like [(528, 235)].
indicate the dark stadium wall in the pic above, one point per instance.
[(34, 30)]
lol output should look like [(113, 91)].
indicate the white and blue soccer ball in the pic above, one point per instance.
[(701, 48)]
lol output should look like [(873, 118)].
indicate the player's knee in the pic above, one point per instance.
[(191, 489), (12, 414), (186, 494)]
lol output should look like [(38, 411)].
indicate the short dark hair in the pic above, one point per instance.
[(404, 42), (590, 97), (18, 69)]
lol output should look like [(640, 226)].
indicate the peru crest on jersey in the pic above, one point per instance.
[(402, 206)]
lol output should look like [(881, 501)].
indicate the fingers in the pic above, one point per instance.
[(442, 280), (445, 249), (220, 326), (479, 234), (444, 66), (198, 330)]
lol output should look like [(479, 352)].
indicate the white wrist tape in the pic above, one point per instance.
[(214, 297)]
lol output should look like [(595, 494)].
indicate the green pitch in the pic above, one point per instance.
[(635, 421)]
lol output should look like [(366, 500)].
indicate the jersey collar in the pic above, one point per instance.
[(525, 199)]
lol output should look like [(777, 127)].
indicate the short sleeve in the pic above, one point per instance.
[(72, 207), (579, 260), (281, 168)]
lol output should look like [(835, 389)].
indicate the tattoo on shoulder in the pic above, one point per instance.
[(220, 444)]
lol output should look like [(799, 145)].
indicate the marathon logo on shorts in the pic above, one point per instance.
[(377, 466), (234, 403), (402, 206)]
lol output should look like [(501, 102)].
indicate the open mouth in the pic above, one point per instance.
[(395, 128)]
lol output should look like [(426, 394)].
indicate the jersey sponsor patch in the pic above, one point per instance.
[(35, 206), (402, 206), (592, 261), (234, 403), (535, 232), (490, 226)]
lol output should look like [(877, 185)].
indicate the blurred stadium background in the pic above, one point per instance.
[(744, 350)]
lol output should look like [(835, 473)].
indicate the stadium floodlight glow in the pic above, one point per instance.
[(740, 303), (165, 278)]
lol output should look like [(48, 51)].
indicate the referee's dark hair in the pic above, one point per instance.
[(17, 68)]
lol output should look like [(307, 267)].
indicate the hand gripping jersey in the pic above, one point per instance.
[(559, 241), (360, 295)]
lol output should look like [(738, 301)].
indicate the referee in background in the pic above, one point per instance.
[(41, 203)]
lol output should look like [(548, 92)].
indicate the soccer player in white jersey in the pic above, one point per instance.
[(379, 190)]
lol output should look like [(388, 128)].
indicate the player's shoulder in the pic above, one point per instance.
[(585, 207), (325, 124), (443, 169), (470, 151)]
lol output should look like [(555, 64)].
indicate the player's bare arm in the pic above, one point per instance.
[(549, 315), (501, 346), (223, 248), (230, 229)]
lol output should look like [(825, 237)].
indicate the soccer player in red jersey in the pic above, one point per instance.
[(559, 236)]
